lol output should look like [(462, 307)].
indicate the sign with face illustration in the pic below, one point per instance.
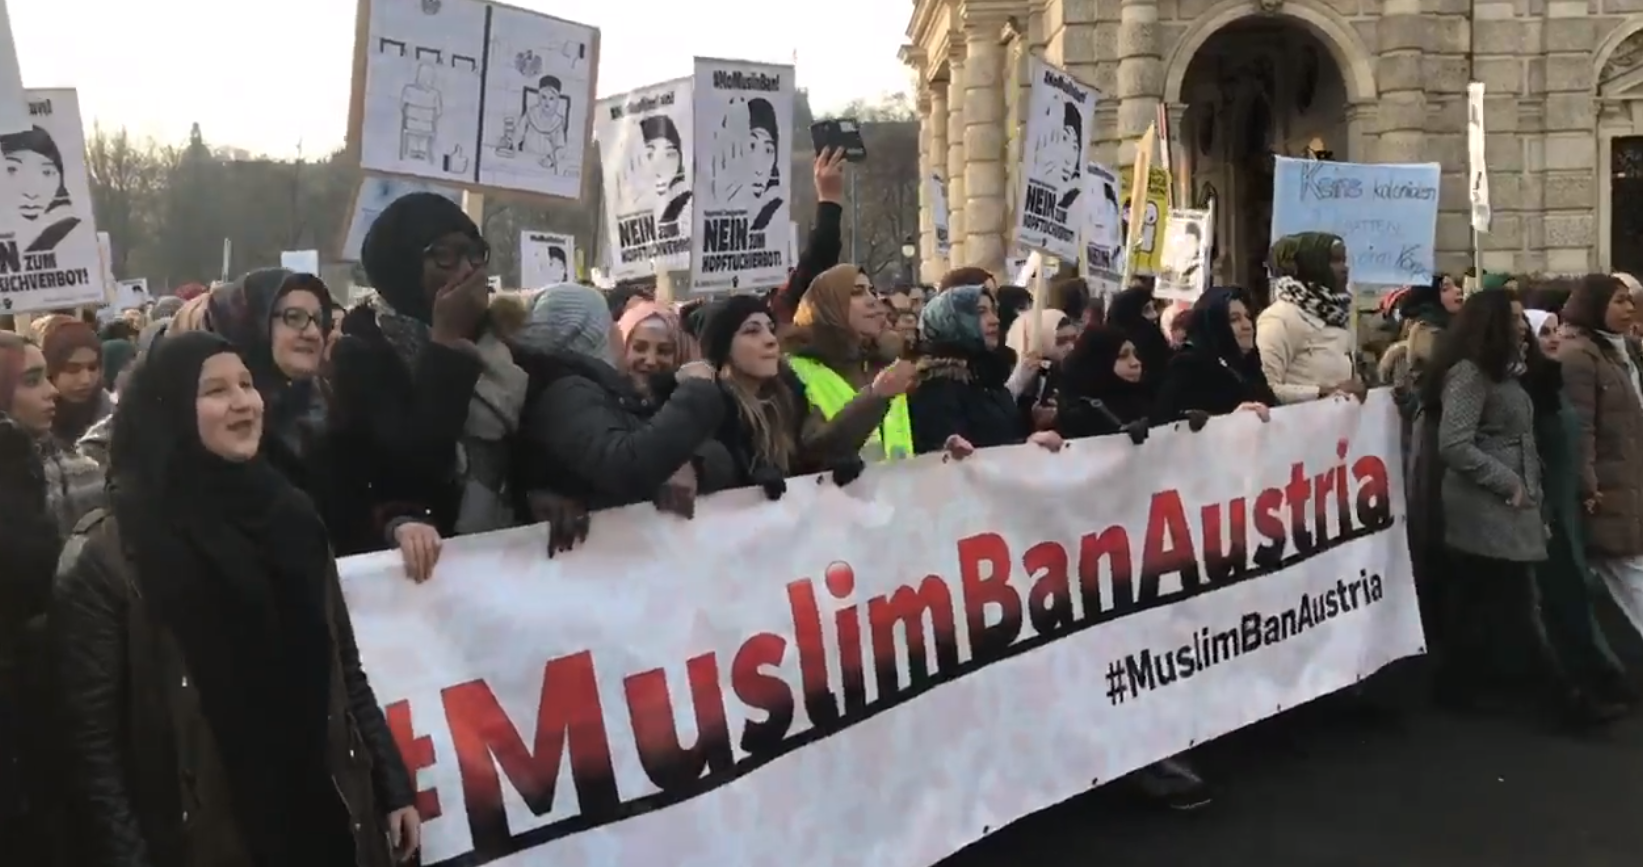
[(645, 148), (1049, 212), (545, 259), (48, 241), (744, 133)]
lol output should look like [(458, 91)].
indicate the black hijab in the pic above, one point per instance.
[(1088, 375), (1127, 313), (232, 561), (1210, 334), (397, 243)]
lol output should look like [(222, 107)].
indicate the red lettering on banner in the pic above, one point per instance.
[(1168, 548), (908, 608), (667, 762), (761, 691), (981, 591), (820, 704), (1113, 544), (418, 753), (841, 584), (1049, 602)]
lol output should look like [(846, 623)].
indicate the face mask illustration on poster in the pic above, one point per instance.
[(743, 130), (644, 145), (1103, 230), (48, 242), (1049, 214), (460, 91), (545, 259), (1183, 271)]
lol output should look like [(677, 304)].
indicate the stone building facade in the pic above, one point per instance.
[(1360, 80)]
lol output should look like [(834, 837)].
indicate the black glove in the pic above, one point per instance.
[(1196, 419), (567, 520), (771, 479), (848, 470), (1137, 430)]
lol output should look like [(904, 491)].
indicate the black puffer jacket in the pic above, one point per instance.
[(590, 436)]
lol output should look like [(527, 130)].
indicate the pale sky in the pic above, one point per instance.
[(263, 75)]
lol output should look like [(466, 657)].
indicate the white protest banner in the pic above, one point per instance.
[(49, 256), (1103, 231), (128, 295), (1477, 166), (1060, 114), (376, 193), (938, 214), (475, 94), (742, 190), (1385, 213), (1184, 266), (545, 259), (300, 261), (877, 675), (645, 140)]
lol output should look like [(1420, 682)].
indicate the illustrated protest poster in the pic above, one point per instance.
[(545, 259), (472, 93), (49, 255), (938, 213), (1478, 169), (1184, 266), (1060, 113), (1385, 213), (1103, 231), (376, 193), (1149, 240), (743, 119), (645, 141)]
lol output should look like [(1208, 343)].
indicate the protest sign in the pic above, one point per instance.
[(742, 189), (1386, 213), (879, 674), (1477, 166), (545, 259), (474, 94), (937, 189), (1060, 112), (1184, 266), (300, 261), (49, 253), (1149, 238), (645, 139), (376, 193), (1103, 232)]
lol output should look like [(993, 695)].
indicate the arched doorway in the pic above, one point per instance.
[(1258, 87)]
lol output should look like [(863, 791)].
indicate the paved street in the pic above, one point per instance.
[(1426, 790)]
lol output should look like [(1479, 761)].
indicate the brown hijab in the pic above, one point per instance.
[(821, 329)]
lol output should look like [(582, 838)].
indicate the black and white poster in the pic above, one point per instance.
[(1049, 214), (1184, 265), (49, 254), (546, 259), (645, 146), (1103, 230), (938, 214), (742, 191)]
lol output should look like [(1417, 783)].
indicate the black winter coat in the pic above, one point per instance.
[(959, 395)]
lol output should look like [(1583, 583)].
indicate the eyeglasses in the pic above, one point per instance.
[(476, 253), (298, 319)]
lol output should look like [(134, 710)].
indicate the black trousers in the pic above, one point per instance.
[(1492, 633)]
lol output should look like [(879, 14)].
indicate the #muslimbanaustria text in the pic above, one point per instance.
[(31, 272), (778, 684)]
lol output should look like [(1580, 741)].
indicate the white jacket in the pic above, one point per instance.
[(1299, 353)]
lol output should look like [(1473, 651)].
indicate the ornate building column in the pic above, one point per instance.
[(1140, 73), (926, 220), (984, 170), (934, 263), (1401, 35), (955, 155)]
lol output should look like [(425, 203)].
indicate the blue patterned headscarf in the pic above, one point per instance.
[(953, 318)]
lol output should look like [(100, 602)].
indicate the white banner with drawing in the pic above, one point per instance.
[(1049, 208), (546, 259), (49, 251), (878, 675), (645, 139)]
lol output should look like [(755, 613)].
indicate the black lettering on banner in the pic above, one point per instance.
[(646, 104), (640, 239), (40, 108), (726, 79), (729, 243), (1065, 85), (1043, 213), (1320, 181), (31, 272)]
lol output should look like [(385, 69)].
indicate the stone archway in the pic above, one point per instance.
[(1253, 86)]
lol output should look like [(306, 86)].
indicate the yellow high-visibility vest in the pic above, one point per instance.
[(829, 392)]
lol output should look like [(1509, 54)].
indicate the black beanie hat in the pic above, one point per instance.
[(721, 322), (394, 245)]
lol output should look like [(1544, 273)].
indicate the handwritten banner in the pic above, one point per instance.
[(1386, 213)]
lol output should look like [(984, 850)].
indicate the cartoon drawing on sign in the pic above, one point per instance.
[(557, 268), (1181, 269), (664, 163), (746, 170), (1059, 151), (538, 92), (34, 170), (420, 108), (540, 128)]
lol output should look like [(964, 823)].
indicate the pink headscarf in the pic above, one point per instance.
[(641, 311)]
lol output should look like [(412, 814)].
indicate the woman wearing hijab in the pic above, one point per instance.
[(1104, 389), (117, 357), (961, 402), (214, 701), (74, 361), (1305, 336), (771, 430), (426, 398), (601, 443), (1040, 342), (652, 346), (838, 346), (1135, 313), (1218, 369)]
